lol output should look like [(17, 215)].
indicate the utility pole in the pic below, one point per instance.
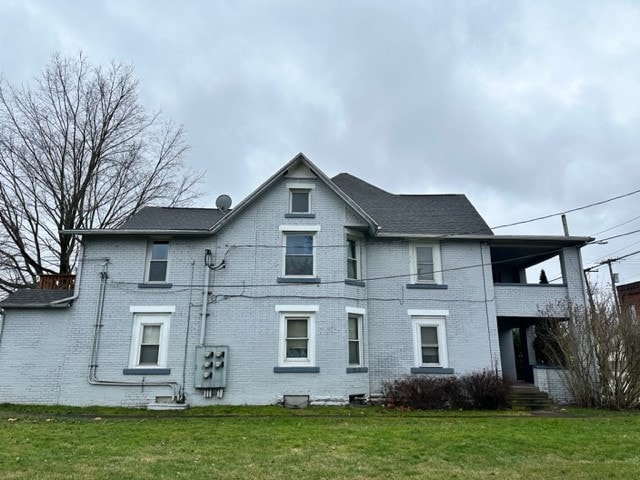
[(613, 283), (592, 303)]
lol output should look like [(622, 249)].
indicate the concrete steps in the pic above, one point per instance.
[(525, 396)]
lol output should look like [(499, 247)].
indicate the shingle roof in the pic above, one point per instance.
[(414, 214), (167, 218), (34, 298)]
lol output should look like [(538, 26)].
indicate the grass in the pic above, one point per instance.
[(315, 443)]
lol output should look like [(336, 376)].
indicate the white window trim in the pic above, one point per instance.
[(299, 228), (304, 230), (297, 308), (152, 309), (356, 310), (437, 263), (430, 321), (140, 319), (310, 361), (300, 186), (360, 312), (148, 261), (309, 198)]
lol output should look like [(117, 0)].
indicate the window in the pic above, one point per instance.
[(298, 254), (353, 258), (158, 261), (149, 341), (297, 338), (297, 335), (430, 347), (300, 201), (425, 264), (355, 339)]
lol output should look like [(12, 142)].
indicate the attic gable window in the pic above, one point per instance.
[(300, 201)]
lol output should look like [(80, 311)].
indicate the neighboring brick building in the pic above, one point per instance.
[(310, 287), (629, 296)]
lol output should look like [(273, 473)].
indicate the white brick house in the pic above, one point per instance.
[(314, 287)]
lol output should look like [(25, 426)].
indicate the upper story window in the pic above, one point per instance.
[(158, 261), (300, 200), (425, 263), (299, 262), (353, 258), (298, 254)]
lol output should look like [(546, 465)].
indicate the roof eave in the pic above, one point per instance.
[(133, 231), (54, 305), (495, 239)]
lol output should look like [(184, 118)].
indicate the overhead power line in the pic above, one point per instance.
[(551, 215), (619, 235)]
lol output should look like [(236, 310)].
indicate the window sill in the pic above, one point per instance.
[(155, 285), (298, 280), (433, 370), (427, 286), (296, 369), (357, 370), (355, 283), (299, 215), (146, 371)]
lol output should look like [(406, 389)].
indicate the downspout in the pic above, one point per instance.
[(486, 305), (1, 323), (205, 295), (93, 366)]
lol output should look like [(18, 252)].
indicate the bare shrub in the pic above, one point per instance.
[(425, 393), (478, 390), (599, 349), (486, 390)]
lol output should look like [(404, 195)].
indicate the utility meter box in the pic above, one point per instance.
[(211, 366)]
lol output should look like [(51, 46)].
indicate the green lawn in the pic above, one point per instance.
[(315, 443)]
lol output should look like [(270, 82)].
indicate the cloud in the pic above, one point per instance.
[(528, 107)]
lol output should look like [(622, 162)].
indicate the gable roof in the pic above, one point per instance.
[(169, 218), (299, 159), (387, 214), (414, 214), (35, 298)]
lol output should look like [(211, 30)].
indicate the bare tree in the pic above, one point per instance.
[(78, 150), (598, 349)]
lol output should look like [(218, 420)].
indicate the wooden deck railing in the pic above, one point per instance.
[(57, 282)]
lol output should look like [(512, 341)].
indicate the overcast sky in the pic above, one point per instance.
[(528, 108)]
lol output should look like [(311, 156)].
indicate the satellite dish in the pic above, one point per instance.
[(223, 202)]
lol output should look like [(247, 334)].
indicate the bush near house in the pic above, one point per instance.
[(479, 390)]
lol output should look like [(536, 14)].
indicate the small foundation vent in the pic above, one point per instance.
[(296, 401)]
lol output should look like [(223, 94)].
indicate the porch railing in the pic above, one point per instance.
[(57, 282)]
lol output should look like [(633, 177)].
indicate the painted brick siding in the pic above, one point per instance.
[(45, 354), (551, 380), (31, 363), (471, 330)]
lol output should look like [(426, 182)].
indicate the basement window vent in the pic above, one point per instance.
[(357, 399), (296, 401)]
